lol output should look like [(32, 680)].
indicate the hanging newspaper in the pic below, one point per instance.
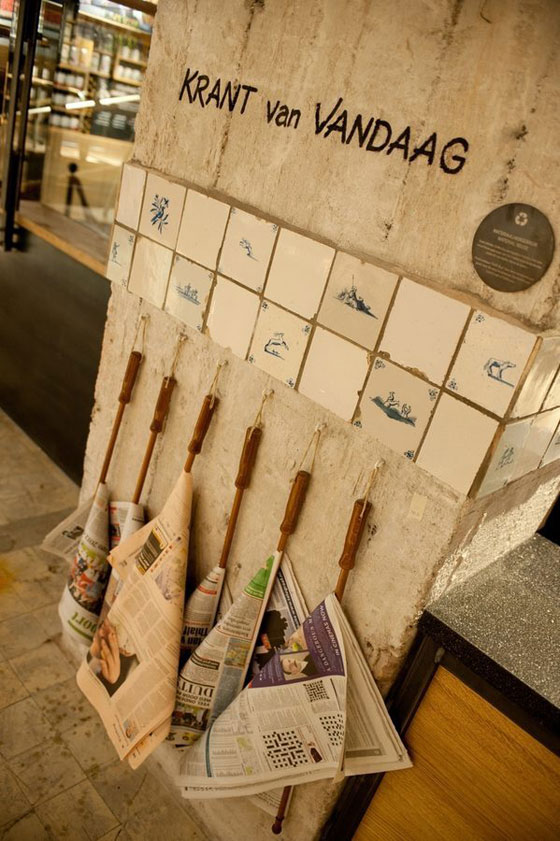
[(289, 725), (82, 596), (200, 611), (129, 674), (214, 674), (64, 539), (125, 518)]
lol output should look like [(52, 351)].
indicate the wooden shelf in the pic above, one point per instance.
[(100, 74), (121, 27), (75, 68), (131, 61), (132, 82)]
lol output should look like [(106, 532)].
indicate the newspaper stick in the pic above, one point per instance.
[(209, 405), (354, 533), (160, 413)]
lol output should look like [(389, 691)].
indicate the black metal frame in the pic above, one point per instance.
[(16, 128)]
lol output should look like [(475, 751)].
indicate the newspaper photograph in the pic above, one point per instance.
[(82, 596), (129, 673), (290, 724), (215, 672)]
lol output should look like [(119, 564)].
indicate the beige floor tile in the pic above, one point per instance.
[(10, 602), (43, 667), (116, 834), (13, 802), (48, 619), (26, 564), (22, 726), (147, 824), (11, 687), (125, 791), (78, 813), (89, 743), (20, 634), (64, 705), (46, 771), (27, 828)]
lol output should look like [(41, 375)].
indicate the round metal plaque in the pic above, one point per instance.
[(513, 247)]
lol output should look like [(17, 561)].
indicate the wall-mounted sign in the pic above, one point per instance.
[(513, 247)]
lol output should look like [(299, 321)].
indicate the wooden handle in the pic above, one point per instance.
[(130, 375), (354, 534), (162, 405), (202, 424), (247, 462), (279, 820), (295, 502)]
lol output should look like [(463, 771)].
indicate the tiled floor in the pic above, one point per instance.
[(60, 778)]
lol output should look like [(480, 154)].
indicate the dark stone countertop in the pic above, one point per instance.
[(503, 624)]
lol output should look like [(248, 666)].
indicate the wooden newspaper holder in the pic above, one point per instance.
[(354, 534), (125, 396)]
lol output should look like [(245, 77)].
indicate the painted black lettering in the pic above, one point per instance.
[(231, 97), (282, 117), (320, 124), (456, 141), (358, 126), (270, 112), (371, 147), (215, 93), (186, 86), (295, 114), (201, 84), (249, 89), (340, 124), (402, 142), (428, 148)]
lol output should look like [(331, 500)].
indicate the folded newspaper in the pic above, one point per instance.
[(130, 671), (313, 712)]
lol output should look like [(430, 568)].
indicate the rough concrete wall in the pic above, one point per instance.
[(485, 71), (490, 527), (444, 69)]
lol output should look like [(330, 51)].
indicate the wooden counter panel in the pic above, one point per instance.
[(476, 777)]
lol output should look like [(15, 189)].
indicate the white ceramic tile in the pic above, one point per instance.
[(553, 397), (334, 373), (130, 196), (541, 374), (396, 407), (509, 451), (456, 443), (188, 291), (299, 272), (150, 271), (233, 311), (423, 329), (247, 248), (202, 228), (279, 343), (490, 362), (356, 299), (540, 435), (120, 255), (553, 450), (162, 210)]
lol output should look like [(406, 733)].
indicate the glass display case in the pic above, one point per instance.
[(89, 64)]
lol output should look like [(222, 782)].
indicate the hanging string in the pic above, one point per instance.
[(370, 482), (214, 386), (141, 324), (180, 341), (313, 443), (265, 395)]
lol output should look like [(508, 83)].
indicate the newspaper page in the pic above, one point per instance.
[(125, 518), (200, 611), (129, 674), (82, 596), (64, 539), (214, 674), (289, 725)]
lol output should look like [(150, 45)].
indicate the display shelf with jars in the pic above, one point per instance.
[(83, 104)]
